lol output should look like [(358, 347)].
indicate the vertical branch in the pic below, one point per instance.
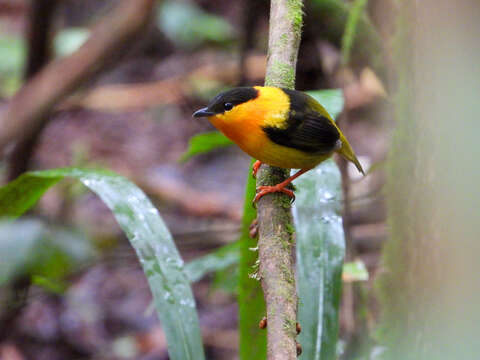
[(41, 17), (275, 242)]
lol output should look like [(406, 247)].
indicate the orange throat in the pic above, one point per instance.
[(247, 134)]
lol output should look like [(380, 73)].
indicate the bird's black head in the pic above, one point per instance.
[(227, 100)]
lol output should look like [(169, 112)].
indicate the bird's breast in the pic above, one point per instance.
[(254, 141)]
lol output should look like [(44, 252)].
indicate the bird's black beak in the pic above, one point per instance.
[(203, 113)]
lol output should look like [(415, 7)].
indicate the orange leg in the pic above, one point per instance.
[(255, 167), (264, 190)]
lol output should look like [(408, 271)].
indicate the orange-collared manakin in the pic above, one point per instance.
[(279, 127)]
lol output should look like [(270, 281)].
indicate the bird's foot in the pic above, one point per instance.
[(264, 190), (255, 167)]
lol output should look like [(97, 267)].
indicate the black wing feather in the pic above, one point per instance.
[(307, 129)]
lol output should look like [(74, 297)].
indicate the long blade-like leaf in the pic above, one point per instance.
[(204, 143), (253, 341), (218, 260), (320, 253), (147, 233), (354, 16), (14, 254), (30, 247), (320, 249)]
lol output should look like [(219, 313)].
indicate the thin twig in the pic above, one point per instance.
[(274, 216)]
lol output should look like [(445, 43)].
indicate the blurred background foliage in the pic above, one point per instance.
[(71, 283)]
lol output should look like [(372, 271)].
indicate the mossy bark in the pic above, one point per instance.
[(274, 212)]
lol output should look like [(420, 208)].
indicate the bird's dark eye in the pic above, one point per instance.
[(228, 106)]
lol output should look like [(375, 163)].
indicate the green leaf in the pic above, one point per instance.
[(12, 53), (320, 249), (189, 26), (17, 243), (218, 260), (52, 285), (32, 248), (203, 143), (226, 279), (330, 18), (356, 12), (147, 233), (355, 271), (320, 253), (332, 100), (251, 305)]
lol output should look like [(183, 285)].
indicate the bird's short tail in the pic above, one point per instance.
[(347, 152)]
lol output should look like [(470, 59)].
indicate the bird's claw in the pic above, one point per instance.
[(264, 190), (255, 167)]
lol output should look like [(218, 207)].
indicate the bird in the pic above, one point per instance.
[(279, 127)]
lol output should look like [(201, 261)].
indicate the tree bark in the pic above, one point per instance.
[(275, 242)]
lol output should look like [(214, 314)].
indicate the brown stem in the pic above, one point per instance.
[(41, 15), (28, 109), (275, 242)]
